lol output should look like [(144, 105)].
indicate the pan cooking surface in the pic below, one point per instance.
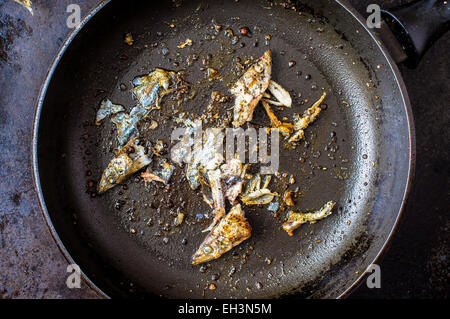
[(129, 230)]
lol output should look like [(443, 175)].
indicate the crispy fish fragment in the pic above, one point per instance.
[(166, 172), (225, 182), (233, 173), (158, 147), (260, 197), (128, 160), (182, 45), (107, 108), (217, 195), (249, 89), (295, 220), (255, 195), (128, 39), (150, 177), (147, 89), (283, 96), (125, 125), (287, 198), (285, 128), (301, 123), (203, 163), (232, 230), (163, 175), (205, 158), (181, 153)]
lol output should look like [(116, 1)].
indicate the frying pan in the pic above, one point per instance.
[(359, 153)]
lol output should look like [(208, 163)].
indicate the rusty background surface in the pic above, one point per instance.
[(31, 266)]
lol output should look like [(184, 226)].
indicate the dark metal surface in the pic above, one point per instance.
[(15, 223), (367, 104), (418, 26)]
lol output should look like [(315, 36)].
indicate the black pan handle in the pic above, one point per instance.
[(417, 26)]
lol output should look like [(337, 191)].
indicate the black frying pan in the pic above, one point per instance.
[(364, 139)]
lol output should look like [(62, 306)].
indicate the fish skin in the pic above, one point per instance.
[(107, 108), (260, 197), (147, 90), (232, 230), (205, 158), (123, 165), (284, 127), (249, 89)]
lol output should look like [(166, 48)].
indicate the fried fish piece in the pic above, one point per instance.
[(148, 90), (285, 128), (150, 177), (295, 220), (255, 195), (163, 175), (233, 173), (310, 115), (283, 97), (128, 160), (225, 182), (249, 89), (232, 230), (214, 178), (205, 157), (107, 108)]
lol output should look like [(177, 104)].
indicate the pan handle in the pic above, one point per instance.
[(416, 27)]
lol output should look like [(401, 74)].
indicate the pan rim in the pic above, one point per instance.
[(71, 36), (411, 134), (35, 138)]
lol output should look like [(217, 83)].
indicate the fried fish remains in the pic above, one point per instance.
[(232, 230), (249, 89), (217, 195), (107, 108), (163, 175), (310, 115), (285, 128), (204, 158), (233, 173), (255, 195), (148, 90), (225, 182), (283, 97), (129, 159), (203, 152), (295, 220)]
